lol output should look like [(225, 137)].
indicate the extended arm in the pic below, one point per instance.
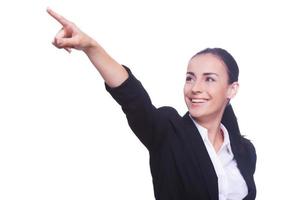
[(70, 36), (143, 117)]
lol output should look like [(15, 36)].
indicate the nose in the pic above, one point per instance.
[(197, 88)]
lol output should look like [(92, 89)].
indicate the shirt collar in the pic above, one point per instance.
[(204, 134), (226, 143)]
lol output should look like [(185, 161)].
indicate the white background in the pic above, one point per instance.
[(63, 137)]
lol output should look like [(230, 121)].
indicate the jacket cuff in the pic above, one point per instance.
[(127, 91)]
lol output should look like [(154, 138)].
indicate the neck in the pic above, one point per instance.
[(214, 131)]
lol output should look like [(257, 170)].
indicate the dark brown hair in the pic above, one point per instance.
[(228, 60)]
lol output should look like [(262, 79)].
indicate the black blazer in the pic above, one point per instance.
[(180, 164)]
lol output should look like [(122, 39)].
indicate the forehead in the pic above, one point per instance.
[(205, 63)]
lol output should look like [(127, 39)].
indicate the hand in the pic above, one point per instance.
[(70, 36)]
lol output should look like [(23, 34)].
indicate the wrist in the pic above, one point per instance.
[(91, 46)]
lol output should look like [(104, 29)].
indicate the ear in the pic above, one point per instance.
[(232, 90)]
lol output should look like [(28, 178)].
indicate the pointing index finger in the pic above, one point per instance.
[(58, 17)]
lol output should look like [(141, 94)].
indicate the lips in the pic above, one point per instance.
[(198, 100)]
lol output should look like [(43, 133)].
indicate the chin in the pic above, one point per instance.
[(204, 114), (196, 114)]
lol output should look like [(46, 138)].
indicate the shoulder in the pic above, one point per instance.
[(166, 113), (251, 151), (169, 113), (249, 145), (168, 110)]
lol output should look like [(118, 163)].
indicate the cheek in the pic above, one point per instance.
[(186, 89), (218, 93), (221, 98)]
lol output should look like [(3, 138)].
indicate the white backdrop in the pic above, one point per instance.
[(63, 137)]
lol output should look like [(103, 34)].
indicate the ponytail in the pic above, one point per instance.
[(229, 120)]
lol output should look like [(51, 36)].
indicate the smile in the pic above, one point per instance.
[(198, 100)]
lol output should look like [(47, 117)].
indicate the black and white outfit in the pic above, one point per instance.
[(184, 165)]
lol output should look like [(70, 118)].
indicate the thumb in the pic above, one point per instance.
[(64, 42)]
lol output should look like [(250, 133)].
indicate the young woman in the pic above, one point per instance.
[(201, 155)]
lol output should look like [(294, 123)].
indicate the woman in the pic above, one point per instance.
[(201, 155)]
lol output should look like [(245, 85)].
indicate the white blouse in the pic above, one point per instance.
[(232, 185)]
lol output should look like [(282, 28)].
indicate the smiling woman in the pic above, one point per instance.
[(208, 85), (211, 83), (198, 156)]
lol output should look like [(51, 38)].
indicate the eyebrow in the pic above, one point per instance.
[(191, 73), (210, 73), (205, 74)]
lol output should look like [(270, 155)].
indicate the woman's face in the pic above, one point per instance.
[(206, 90)]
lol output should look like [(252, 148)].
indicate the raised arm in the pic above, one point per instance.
[(143, 117), (71, 37)]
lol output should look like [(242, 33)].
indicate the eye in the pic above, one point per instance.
[(210, 79), (188, 79)]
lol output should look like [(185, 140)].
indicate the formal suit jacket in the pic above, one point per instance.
[(180, 164)]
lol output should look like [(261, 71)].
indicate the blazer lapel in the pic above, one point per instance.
[(205, 164), (202, 157)]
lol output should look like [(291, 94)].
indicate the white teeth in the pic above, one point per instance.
[(198, 100)]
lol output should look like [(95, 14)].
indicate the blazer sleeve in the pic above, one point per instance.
[(143, 117)]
